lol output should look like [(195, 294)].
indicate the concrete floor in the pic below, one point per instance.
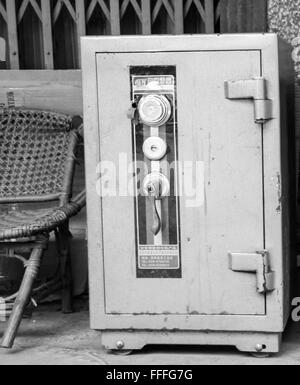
[(50, 338)]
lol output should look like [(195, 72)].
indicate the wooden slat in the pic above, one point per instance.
[(297, 108), (35, 34), (135, 6), (22, 9), (115, 17), (36, 8), (137, 9), (70, 9), (47, 34), (297, 127), (24, 5), (3, 12), (179, 23), (124, 7), (12, 34), (146, 16), (209, 16), (80, 23), (227, 17), (187, 6), (169, 9), (156, 9), (57, 10), (199, 7), (90, 10), (241, 16), (2, 49), (235, 16), (260, 16), (218, 11)]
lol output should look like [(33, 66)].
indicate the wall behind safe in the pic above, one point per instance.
[(45, 34)]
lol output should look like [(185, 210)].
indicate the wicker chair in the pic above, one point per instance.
[(37, 161)]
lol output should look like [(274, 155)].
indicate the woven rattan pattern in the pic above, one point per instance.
[(26, 223), (33, 150), (29, 222)]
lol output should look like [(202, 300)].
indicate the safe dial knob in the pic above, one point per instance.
[(154, 110), (155, 148)]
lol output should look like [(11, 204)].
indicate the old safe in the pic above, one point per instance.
[(188, 141)]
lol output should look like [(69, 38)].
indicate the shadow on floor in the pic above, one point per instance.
[(52, 338)]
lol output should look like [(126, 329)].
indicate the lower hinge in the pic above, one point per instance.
[(257, 263)]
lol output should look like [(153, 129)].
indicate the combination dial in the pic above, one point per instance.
[(154, 110)]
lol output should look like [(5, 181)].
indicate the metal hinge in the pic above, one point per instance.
[(255, 89), (257, 263)]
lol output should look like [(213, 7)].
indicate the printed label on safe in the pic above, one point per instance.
[(159, 257), (158, 254), (146, 83)]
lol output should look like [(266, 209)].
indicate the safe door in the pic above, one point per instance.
[(181, 183)]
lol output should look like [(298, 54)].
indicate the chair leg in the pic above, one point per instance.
[(31, 272), (62, 239)]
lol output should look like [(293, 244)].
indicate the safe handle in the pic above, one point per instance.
[(155, 192), (156, 227), (156, 187)]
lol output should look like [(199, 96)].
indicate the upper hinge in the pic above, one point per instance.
[(255, 89), (257, 263)]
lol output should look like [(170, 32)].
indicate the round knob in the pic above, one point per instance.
[(154, 110), (259, 348), (120, 345), (155, 148)]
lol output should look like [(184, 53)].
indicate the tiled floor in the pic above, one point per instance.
[(54, 339)]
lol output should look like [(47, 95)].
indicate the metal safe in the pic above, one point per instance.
[(188, 142)]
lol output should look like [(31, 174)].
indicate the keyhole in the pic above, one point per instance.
[(150, 190)]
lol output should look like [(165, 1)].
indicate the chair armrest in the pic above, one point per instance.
[(49, 222), (75, 205)]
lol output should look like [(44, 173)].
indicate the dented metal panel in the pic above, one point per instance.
[(257, 263)]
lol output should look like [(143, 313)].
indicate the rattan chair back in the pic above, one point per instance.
[(36, 155)]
